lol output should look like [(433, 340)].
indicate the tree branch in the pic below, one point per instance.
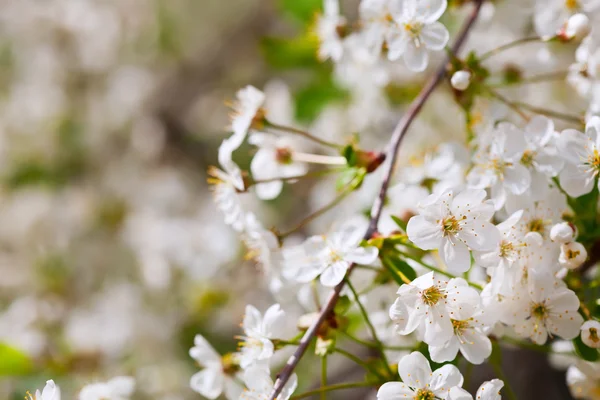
[(392, 154)]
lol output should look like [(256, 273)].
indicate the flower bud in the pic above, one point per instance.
[(460, 80), (572, 255), (578, 26), (562, 233), (590, 332)]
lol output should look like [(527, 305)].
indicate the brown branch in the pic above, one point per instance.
[(392, 154)]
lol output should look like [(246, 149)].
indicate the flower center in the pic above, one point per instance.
[(432, 295), (572, 5), (506, 249), (424, 394), (594, 335), (594, 160), (450, 225), (571, 254), (539, 311), (527, 159), (537, 225), (459, 326), (283, 155), (230, 364), (413, 28)]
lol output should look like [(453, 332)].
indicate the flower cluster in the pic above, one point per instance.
[(481, 241)]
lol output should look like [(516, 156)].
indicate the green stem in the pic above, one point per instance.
[(439, 271), (323, 376), (319, 212), (507, 46), (547, 77), (331, 388), (500, 373), (302, 133), (312, 174), (360, 362), (370, 325), (359, 341)]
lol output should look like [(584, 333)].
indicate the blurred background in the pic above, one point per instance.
[(112, 254)]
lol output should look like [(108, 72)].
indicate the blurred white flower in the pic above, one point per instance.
[(118, 388)]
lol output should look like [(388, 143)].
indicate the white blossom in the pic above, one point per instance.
[(328, 256), (218, 375), (455, 225), (489, 390), (245, 110), (419, 382), (551, 15), (460, 80), (258, 332), (50, 392), (547, 308), (582, 155), (328, 25), (562, 233), (260, 385), (583, 378), (417, 32), (274, 159), (431, 303), (118, 388), (590, 331), (572, 255), (497, 166)]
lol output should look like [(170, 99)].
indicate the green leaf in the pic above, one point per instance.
[(13, 362), (402, 224), (585, 213), (343, 305), (403, 268), (302, 10), (313, 98), (585, 352), (398, 269), (350, 155), (298, 52)]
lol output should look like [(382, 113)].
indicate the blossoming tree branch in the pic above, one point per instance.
[(489, 241), (411, 266)]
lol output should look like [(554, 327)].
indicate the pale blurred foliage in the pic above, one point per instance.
[(108, 235)]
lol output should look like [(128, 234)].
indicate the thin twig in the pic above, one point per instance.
[(365, 315), (507, 46), (547, 77), (300, 132), (330, 388), (392, 154)]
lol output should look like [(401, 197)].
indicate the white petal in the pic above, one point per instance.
[(475, 346), (435, 36), (438, 327), (480, 235), (444, 379), (456, 256), (416, 57), (576, 182), (424, 233), (517, 178), (445, 352), (490, 390), (457, 393), (414, 370), (208, 382), (432, 10), (362, 255), (394, 391), (334, 274), (203, 352)]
